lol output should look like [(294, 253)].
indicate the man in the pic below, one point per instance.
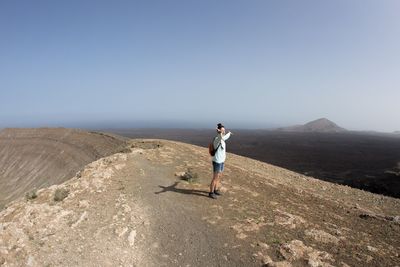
[(218, 160)]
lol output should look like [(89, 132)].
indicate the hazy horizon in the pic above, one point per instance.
[(169, 64), (162, 125)]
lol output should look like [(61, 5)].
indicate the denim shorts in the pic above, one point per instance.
[(218, 167)]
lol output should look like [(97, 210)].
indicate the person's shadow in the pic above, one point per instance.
[(173, 188)]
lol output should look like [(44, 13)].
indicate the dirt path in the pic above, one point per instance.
[(182, 232), (135, 209), (266, 215)]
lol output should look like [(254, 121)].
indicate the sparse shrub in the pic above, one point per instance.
[(60, 194), (31, 194), (125, 150), (107, 161), (146, 144), (276, 241), (190, 176)]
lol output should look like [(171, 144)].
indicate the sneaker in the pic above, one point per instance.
[(212, 195), (217, 192)]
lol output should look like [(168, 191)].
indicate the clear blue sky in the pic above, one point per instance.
[(195, 63)]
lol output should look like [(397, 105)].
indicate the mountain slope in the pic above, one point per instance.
[(35, 158), (135, 209), (320, 125)]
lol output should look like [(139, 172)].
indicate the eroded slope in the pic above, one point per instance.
[(35, 158)]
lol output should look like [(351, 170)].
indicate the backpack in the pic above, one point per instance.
[(211, 149)]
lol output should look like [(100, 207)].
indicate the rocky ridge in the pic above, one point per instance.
[(140, 209)]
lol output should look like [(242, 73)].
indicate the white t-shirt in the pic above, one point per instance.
[(220, 154)]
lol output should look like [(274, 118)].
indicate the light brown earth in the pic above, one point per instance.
[(134, 209), (36, 158)]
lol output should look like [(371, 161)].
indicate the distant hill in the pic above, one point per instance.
[(322, 125), (396, 132), (36, 158)]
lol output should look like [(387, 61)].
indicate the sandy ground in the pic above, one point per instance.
[(135, 209)]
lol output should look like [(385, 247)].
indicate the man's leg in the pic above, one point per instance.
[(218, 183), (213, 185), (214, 182)]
